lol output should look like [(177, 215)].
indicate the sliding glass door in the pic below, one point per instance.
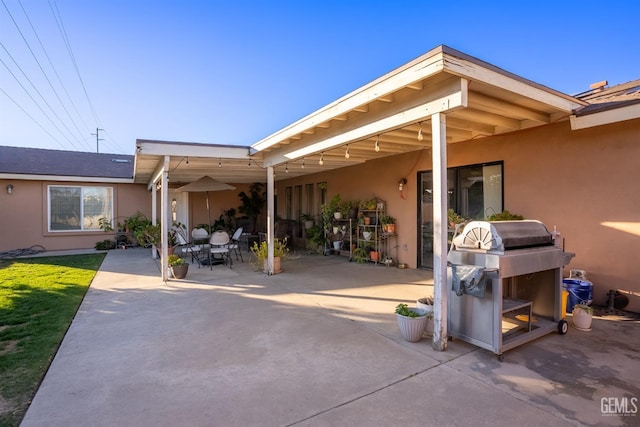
[(474, 192)]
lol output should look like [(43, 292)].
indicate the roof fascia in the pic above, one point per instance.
[(61, 178), (605, 117), (166, 148), (473, 69), (425, 66)]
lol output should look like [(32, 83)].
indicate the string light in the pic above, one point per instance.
[(346, 153), (302, 163), (219, 162), (377, 146), (249, 165), (420, 137), (321, 162), (286, 168), (187, 162)]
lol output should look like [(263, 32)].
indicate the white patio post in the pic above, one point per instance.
[(164, 226), (270, 218), (439, 159), (154, 214)]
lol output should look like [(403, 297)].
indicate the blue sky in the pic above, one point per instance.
[(234, 72)]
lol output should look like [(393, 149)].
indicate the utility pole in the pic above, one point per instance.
[(98, 139)]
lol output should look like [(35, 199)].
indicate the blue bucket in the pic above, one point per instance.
[(580, 292)]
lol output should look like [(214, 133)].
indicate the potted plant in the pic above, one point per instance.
[(307, 219), (411, 321), (505, 216), (315, 238), (280, 250), (388, 224), (582, 317), (360, 255), (426, 304), (253, 203), (178, 267), (453, 218)]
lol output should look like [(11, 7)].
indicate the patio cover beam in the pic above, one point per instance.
[(450, 96)]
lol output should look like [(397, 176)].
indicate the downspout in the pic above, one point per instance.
[(270, 219), (439, 159)]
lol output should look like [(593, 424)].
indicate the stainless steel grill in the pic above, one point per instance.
[(522, 273)]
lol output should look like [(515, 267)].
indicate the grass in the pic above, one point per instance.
[(38, 299)]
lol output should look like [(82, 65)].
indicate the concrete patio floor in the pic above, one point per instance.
[(317, 345)]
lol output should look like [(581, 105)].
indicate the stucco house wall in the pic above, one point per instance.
[(24, 215), (583, 182)]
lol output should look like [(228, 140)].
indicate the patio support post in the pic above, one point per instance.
[(270, 219), (439, 153), (154, 214), (164, 226)]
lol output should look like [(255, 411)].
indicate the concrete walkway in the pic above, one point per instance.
[(317, 345)]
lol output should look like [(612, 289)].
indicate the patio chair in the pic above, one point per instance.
[(235, 243), (219, 250), (198, 246)]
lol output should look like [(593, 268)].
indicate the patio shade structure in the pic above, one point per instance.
[(206, 184)]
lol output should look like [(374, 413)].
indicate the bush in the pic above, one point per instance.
[(105, 245)]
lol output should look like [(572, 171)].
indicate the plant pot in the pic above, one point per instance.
[(336, 230), (337, 215), (412, 328), (179, 271), (581, 319), (308, 224), (367, 220), (337, 244), (374, 256), (366, 235), (427, 308), (389, 228), (353, 213), (276, 265)]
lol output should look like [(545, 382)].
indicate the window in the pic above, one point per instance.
[(79, 208)]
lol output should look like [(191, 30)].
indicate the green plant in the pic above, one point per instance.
[(280, 249), (105, 224), (453, 218), (253, 203), (105, 245), (505, 216), (360, 255), (387, 219), (135, 223), (315, 234), (174, 260), (403, 310), (306, 217), (586, 308)]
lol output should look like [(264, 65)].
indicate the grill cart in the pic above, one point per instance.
[(506, 285)]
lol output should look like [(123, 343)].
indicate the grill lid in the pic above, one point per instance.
[(503, 235)]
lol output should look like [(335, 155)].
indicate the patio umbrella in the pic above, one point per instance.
[(206, 184)]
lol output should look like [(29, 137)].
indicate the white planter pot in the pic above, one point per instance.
[(337, 215), (337, 244), (427, 308), (412, 328), (581, 319)]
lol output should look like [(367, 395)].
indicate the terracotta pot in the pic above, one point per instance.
[(367, 220), (374, 255), (276, 265)]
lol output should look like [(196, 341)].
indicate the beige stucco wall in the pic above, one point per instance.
[(24, 215), (583, 182)]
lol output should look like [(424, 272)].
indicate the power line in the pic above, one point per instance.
[(43, 73), (55, 71), (34, 101), (31, 117), (58, 18)]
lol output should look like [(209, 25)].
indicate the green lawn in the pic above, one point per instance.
[(38, 300)]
